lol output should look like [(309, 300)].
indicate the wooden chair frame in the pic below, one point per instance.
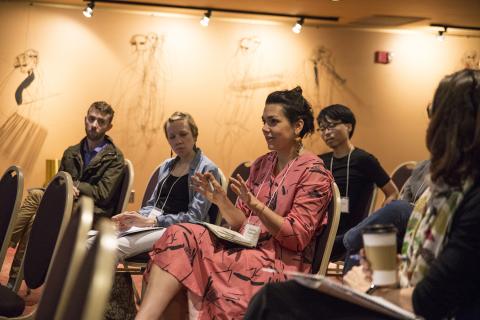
[(17, 171), (334, 218), (123, 203), (411, 164)]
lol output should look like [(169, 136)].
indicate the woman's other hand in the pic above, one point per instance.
[(357, 279), (360, 277), (128, 219)]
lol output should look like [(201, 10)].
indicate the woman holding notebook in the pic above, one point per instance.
[(438, 275), (281, 206), (173, 200)]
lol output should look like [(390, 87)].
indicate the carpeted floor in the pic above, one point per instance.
[(33, 297)]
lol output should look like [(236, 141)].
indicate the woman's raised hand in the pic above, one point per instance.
[(209, 187), (239, 186)]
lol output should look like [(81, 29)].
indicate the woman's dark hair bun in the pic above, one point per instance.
[(295, 107)]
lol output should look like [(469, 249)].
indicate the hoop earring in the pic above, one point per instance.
[(171, 153)]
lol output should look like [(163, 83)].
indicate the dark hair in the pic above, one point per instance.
[(182, 116), (295, 107), (338, 112), (102, 107), (453, 135)]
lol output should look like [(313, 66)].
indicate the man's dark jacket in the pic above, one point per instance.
[(100, 179)]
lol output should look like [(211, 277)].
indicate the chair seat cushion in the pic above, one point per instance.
[(11, 305)]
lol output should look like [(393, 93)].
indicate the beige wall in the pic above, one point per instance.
[(199, 70)]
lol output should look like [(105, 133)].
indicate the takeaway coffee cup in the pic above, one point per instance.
[(380, 244)]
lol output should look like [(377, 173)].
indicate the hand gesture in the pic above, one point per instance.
[(239, 186), (357, 279), (129, 219), (76, 192), (208, 186)]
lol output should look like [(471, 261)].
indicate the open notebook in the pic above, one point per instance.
[(230, 235), (339, 291)]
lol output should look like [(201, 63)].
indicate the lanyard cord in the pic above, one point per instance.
[(348, 169), (278, 187), (169, 191), (415, 197)]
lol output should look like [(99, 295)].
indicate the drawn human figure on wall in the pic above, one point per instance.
[(26, 63), (321, 76), (471, 59), (139, 93), (246, 74), (22, 96)]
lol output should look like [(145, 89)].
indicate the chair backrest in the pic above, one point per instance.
[(92, 286), (402, 172), (66, 263), (243, 169), (152, 183), (11, 190), (52, 216), (125, 189), (324, 242)]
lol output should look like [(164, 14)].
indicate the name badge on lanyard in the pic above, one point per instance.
[(344, 201), (344, 205), (155, 212), (251, 233)]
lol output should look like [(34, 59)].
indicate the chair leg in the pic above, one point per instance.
[(144, 288), (18, 279), (138, 298)]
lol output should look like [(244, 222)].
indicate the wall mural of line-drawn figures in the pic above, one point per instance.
[(321, 76), (471, 59), (23, 94), (247, 75), (321, 79), (140, 90)]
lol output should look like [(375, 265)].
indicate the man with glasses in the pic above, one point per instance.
[(96, 166), (355, 171)]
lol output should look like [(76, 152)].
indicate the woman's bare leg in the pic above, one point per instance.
[(162, 287), (177, 309)]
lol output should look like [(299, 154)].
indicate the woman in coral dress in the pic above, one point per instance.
[(285, 198)]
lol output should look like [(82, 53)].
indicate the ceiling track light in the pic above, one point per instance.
[(88, 11), (445, 27), (206, 18), (150, 3), (441, 34), (298, 25)]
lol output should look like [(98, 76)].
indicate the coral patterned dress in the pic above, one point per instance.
[(222, 276)]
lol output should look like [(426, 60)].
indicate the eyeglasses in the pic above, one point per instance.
[(328, 125)]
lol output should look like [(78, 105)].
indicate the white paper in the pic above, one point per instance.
[(346, 293), (134, 229), (229, 235)]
